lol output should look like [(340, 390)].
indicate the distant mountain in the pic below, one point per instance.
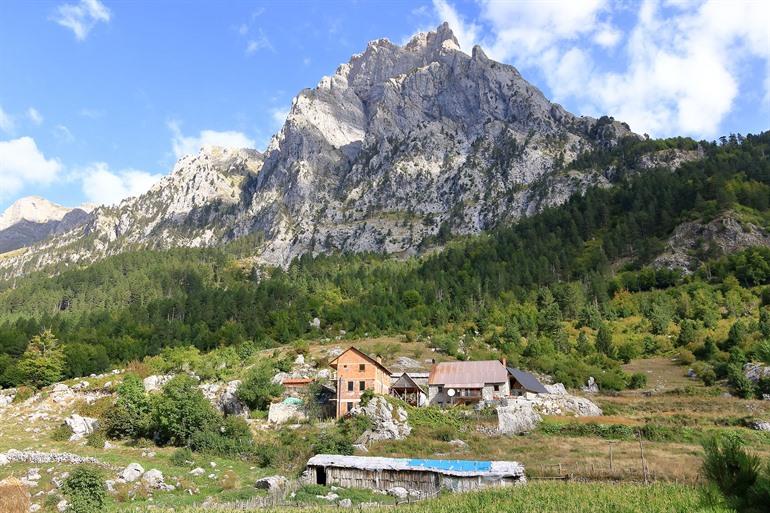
[(32, 219), (401, 147)]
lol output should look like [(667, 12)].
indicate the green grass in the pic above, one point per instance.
[(542, 497)]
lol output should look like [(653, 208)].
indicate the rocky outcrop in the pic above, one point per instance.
[(80, 426), (562, 404), (517, 417), (756, 371), (155, 382), (282, 413), (399, 143), (723, 235), (224, 397), (388, 422), (32, 219), (131, 473)]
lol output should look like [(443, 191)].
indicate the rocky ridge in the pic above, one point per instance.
[(400, 147), (32, 219)]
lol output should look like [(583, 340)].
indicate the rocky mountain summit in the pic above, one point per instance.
[(32, 219), (401, 147)]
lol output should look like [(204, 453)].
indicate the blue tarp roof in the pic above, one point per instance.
[(456, 465)]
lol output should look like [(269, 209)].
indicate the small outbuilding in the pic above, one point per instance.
[(406, 388), (418, 475), (523, 381)]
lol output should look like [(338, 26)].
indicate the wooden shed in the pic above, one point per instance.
[(421, 475)]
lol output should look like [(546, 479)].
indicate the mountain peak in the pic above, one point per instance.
[(441, 38), (34, 209)]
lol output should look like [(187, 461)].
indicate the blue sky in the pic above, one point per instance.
[(99, 97)]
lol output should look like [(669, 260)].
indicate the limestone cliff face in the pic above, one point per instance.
[(400, 143)]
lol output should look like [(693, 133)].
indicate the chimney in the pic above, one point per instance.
[(504, 361)]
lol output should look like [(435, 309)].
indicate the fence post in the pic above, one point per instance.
[(644, 463)]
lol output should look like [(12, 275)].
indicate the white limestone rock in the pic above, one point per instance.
[(272, 483), (388, 422), (81, 426), (517, 417), (132, 472)]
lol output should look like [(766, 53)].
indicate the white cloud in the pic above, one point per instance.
[(186, 145), (82, 17), (63, 134), (34, 115), (91, 113), (681, 62), (279, 116), (6, 122), (22, 163), (259, 42), (106, 187)]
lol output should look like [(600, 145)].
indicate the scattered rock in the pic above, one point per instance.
[(198, 471), (3, 460), (561, 404), (399, 493), (556, 388), (34, 508), (388, 423), (156, 382), (40, 458), (591, 386), (458, 444), (62, 505), (229, 403), (345, 503), (315, 323), (132, 472), (756, 371), (81, 426), (517, 417), (272, 483), (299, 360), (760, 425), (153, 478)]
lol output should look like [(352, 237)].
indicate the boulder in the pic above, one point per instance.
[(198, 471), (516, 417), (458, 444), (7, 398), (278, 378), (281, 413), (388, 422), (556, 388), (299, 360), (399, 493), (760, 425), (61, 393), (153, 478), (132, 472), (592, 387), (3, 460), (345, 503), (756, 371), (229, 403), (81, 426), (563, 404), (315, 323), (272, 483), (62, 505), (155, 383)]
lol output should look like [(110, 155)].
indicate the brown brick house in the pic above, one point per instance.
[(356, 372)]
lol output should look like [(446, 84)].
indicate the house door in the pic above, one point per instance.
[(320, 476)]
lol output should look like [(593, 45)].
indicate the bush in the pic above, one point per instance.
[(736, 474), (445, 433), (96, 439), (637, 380), (84, 488), (61, 433), (181, 411), (742, 386), (182, 457), (128, 417), (230, 438), (332, 441), (366, 396), (257, 390)]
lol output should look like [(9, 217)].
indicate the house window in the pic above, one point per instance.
[(350, 406), (497, 388), (362, 385), (361, 367), (350, 386)]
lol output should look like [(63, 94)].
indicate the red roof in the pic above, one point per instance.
[(468, 374), (333, 363), (296, 381)]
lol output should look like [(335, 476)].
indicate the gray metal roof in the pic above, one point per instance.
[(528, 381), (461, 468)]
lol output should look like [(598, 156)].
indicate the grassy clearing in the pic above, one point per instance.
[(553, 498)]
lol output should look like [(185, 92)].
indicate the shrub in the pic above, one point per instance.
[(43, 361), (96, 439), (23, 393), (332, 441), (181, 411), (366, 396), (182, 457), (61, 433), (257, 390), (737, 474), (84, 488), (229, 438), (14, 497), (128, 417), (685, 357), (742, 386), (637, 380), (445, 433)]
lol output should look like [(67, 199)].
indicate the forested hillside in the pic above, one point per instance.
[(569, 291)]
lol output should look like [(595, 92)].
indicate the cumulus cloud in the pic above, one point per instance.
[(82, 17), (186, 145), (22, 163), (677, 68), (103, 186), (34, 115)]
